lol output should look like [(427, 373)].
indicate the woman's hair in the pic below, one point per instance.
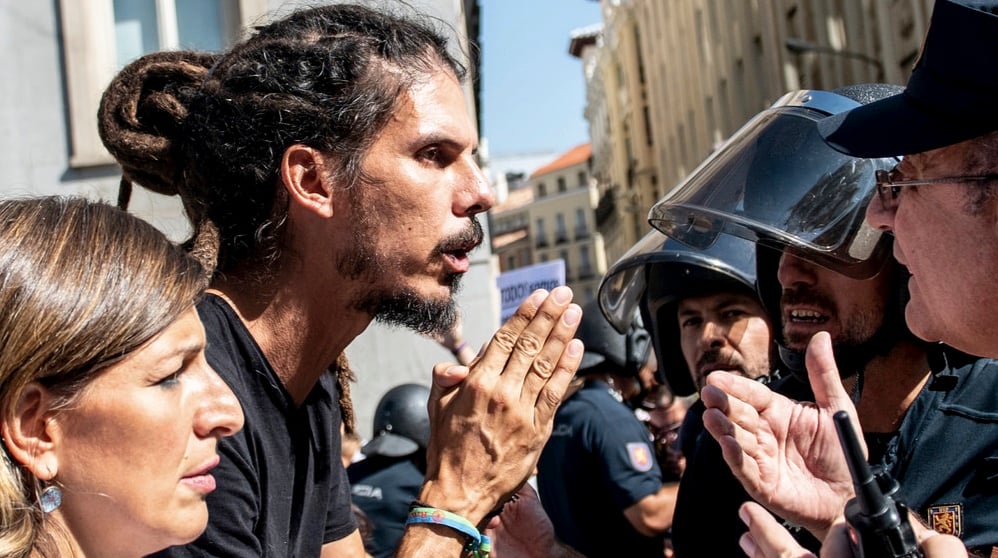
[(82, 285), (213, 128)]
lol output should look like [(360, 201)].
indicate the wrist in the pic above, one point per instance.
[(477, 545), (473, 508), (456, 349)]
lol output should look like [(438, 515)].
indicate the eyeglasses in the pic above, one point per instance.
[(888, 187)]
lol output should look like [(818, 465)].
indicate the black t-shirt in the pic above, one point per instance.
[(282, 489), (383, 488), (598, 462)]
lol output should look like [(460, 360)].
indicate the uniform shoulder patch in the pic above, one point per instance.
[(946, 519), (640, 456)]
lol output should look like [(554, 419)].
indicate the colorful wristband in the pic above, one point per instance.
[(479, 545), (457, 350)]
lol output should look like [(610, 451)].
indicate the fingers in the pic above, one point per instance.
[(534, 356), (823, 375), (766, 536), (734, 404), (826, 383), (743, 390), (934, 544), (510, 339), (549, 394), (942, 546), (539, 345)]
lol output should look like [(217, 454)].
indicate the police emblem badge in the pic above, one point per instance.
[(947, 519), (640, 456)]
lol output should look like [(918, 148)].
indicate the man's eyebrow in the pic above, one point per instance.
[(687, 311), (734, 300)]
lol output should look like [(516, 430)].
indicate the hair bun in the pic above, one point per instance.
[(142, 110)]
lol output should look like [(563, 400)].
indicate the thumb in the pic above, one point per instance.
[(447, 375), (823, 374)]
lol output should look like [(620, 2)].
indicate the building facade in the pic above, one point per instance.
[(553, 217), (668, 82)]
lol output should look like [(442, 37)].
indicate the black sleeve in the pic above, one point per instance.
[(340, 519)]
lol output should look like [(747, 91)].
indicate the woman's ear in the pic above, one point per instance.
[(305, 176), (31, 434)]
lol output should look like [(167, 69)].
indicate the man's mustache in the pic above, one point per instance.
[(717, 357), (469, 238), (806, 296)]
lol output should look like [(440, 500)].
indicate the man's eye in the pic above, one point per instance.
[(430, 154)]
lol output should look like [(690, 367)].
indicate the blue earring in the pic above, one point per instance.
[(50, 499)]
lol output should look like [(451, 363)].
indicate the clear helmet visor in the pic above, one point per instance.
[(778, 183), (680, 268), (623, 285)]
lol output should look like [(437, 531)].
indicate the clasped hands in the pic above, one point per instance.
[(490, 420)]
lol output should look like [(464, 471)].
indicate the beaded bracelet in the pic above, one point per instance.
[(479, 545)]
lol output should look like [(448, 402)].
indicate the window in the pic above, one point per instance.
[(541, 190), (581, 228), (540, 234), (563, 254), (144, 26), (585, 266), (583, 181), (560, 230), (561, 184), (100, 36)]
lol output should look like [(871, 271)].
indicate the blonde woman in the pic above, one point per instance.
[(109, 412)]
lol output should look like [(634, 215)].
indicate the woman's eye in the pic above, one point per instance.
[(171, 380)]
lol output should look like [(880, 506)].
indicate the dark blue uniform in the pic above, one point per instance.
[(598, 462), (944, 456), (383, 488)]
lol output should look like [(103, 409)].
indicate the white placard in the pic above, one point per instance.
[(516, 285)]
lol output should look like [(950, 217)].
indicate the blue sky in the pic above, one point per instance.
[(533, 91)]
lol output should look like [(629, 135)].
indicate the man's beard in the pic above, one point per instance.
[(861, 336), (856, 330), (399, 305)]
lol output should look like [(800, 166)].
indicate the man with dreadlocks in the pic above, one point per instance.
[(327, 165)]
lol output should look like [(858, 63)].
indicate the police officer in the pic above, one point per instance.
[(387, 480), (597, 477), (831, 272), (702, 310)]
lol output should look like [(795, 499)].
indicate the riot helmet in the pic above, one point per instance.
[(656, 274), (608, 350), (401, 422), (776, 182)]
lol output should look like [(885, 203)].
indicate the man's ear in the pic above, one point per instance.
[(31, 434), (304, 172)]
